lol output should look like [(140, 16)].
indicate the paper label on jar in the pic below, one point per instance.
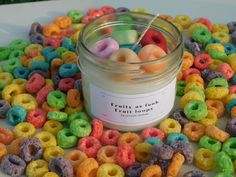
[(132, 109)]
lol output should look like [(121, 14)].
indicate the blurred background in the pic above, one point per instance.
[(17, 1)]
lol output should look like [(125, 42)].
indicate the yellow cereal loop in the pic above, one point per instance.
[(223, 37), (49, 82), (10, 91), (70, 110), (129, 138), (143, 152), (191, 95), (170, 126), (37, 168), (194, 26), (39, 58), (25, 100), (52, 126), (184, 20), (204, 159), (21, 82), (187, 60), (75, 37), (232, 61), (50, 174), (5, 78), (210, 119), (213, 46), (140, 10), (24, 130), (33, 47), (78, 26), (216, 92), (229, 97), (110, 169), (215, 63), (220, 28), (46, 138), (52, 152), (192, 85), (68, 55), (194, 78)]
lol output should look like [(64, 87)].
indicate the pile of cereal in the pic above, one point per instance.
[(41, 97)]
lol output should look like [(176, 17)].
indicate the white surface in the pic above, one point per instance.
[(15, 20)]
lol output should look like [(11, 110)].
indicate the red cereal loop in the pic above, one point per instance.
[(52, 41), (232, 89), (205, 21), (35, 83), (125, 155), (6, 136), (156, 38), (66, 84), (202, 61), (77, 76), (89, 145), (107, 9), (33, 53), (93, 12), (226, 70), (97, 128), (110, 137), (37, 117), (87, 19), (43, 93), (152, 132), (190, 71), (47, 108)]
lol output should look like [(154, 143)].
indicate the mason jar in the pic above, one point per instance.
[(125, 96)]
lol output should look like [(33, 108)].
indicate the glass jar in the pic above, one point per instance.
[(125, 96)]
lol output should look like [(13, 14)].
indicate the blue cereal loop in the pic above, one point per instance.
[(68, 70), (39, 65), (173, 137), (230, 105), (21, 72), (153, 141), (15, 115)]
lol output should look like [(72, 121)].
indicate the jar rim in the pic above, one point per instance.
[(100, 59)]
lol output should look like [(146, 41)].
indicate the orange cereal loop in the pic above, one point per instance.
[(229, 97), (14, 147), (107, 154), (47, 108), (73, 98), (51, 30), (187, 60), (194, 78), (6, 136), (175, 165), (168, 18), (216, 133), (129, 138), (233, 112), (72, 60), (25, 61), (63, 21), (194, 131), (88, 168), (216, 106), (55, 65), (75, 157), (152, 171), (3, 150)]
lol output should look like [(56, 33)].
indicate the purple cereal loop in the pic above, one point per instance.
[(233, 38), (4, 107), (135, 170), (61, 167), (162, 151), (213, 75), (31, 149), (13, 165), (105, 47), (36, 28), (122, 9), (37, 38), (231, 127), (194, 173), (205, 73), (232, 26), (185, 149), (179, 115)]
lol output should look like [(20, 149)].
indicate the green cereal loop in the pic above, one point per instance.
[(16, 53), (224, 174), (180, 88), (210, 144), (224, 163), (218, 82), (75, 15), (56, 99), (218, 55), (20, 44), (66, 139), (4, 53), (61, 50), (201, 35), (195, 110), (125, 36), (80, 128), (11, 64), (78, 115), (57, 115), (229, 147), (200, 91)]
